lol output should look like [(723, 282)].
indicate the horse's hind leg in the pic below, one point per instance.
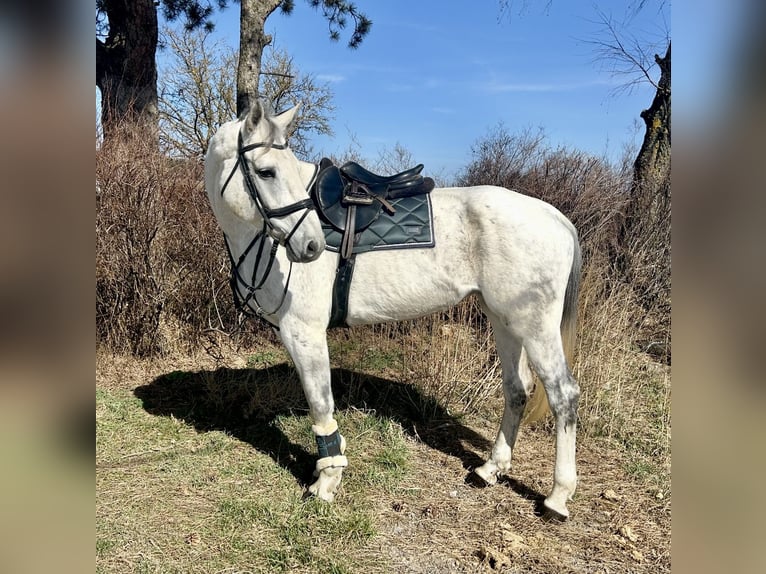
[(516, 386), (546, 355), (308, 349)]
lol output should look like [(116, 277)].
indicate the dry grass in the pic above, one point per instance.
[(450, 357)]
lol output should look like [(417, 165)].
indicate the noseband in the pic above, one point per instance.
[(248, 303)]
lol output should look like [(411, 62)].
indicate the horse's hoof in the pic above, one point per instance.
[(325, 487), (319, 493), (487, 475), (554, 515)]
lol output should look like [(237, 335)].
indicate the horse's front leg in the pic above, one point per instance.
[(308, 348)]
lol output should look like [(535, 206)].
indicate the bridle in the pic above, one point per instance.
[(267, 214), (248, 303)]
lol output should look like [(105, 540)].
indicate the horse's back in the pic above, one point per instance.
[(504, 222), (499, 205)]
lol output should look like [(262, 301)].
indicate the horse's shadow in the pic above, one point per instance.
[(247, 402)]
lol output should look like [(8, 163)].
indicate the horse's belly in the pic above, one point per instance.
[(405, 284)]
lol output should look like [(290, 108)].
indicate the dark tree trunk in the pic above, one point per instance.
[(649, 199), (252, 40), (642, 254), (651, 170), (126, 69)]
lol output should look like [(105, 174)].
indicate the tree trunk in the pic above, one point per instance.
[(642, 255), (651, 169), (252, 40), (649, 199), (126, 69)]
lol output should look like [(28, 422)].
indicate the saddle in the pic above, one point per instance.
[(351, 197)]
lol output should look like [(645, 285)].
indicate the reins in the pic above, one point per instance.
[(248, 304)]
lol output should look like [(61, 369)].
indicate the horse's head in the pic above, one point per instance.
[(252, 175)]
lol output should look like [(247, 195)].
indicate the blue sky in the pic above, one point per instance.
[(436, 76)]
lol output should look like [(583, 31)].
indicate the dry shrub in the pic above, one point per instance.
[(128, 220), (160, 263), (451, 358), (644, 261)]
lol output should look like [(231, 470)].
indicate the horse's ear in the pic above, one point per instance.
[(253, 117), (285, 120)]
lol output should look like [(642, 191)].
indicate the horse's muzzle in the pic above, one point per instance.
[(309, 251)]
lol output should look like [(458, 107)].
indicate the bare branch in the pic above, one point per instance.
[(624, 55), (291, 76), (507, 7), (198, 93)]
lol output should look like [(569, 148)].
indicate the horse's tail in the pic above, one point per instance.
[(537, 406), (571, 297)]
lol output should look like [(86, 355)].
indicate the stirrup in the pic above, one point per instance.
[(357, 194)]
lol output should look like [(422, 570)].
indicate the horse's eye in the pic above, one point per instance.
[(265, 173)]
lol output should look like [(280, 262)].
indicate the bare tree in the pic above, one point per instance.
[(283, 85), (197, 93), (642, 250), (127, 37), (636, 61), (253, 38), (652, 167)]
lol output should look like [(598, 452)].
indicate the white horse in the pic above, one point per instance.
[(518, 254)]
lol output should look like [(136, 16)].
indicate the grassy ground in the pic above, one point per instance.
[(201, 465)]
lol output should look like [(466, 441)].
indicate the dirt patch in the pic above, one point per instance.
[(450, 525)]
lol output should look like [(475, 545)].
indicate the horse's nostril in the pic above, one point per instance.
[(312, 247)]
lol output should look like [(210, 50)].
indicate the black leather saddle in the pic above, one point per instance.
[(351, 197), (410, 177)]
